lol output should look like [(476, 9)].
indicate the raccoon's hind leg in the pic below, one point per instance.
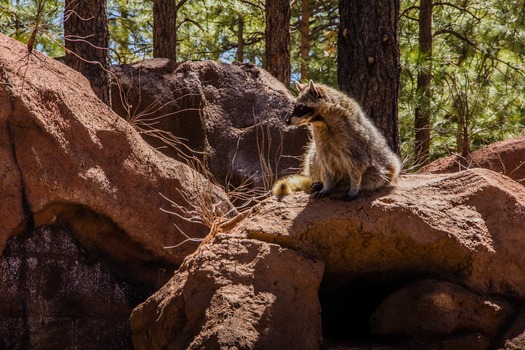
[(352, 194), (355, 184)]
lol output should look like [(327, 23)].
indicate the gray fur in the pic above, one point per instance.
[(347, 150)]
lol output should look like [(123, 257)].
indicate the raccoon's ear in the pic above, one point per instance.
[(300, 87), (314, 90)]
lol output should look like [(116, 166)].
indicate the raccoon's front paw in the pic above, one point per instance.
[(322, 193), (352, 194), (317, 186)]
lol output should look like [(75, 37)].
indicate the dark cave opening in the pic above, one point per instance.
[(347, 308)]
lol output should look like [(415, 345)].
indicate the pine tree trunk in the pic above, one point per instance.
[(277, 34), (462, 134), (424, 78), (240, 40), (368, 60), (305, 38), (87, 41), (165, 28)]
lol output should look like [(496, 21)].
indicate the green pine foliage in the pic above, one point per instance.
[(477, 58), (324, 26), (208, 29), (21, 19), (478, 72), (131, 30)]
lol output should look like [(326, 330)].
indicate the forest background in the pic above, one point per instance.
[(462, 65)]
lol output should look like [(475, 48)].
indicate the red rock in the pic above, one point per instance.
[(82, 233), (235, 293), (467, 224), (505, 157), (432, 308), (64, 147), (465, 228), (233, 113)]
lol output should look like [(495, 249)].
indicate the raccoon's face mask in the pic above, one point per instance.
[(300, 115), (304, 113)]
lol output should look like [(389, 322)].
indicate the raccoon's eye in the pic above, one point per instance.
[(302, 110)]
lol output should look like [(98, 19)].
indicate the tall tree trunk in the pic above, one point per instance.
[(462, 136), (305, 38), (87, 41), (240, 39), (424, 78), (277, 35), (368, 60), (165, 28)]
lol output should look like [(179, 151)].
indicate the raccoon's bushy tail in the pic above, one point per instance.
[(290, 184)]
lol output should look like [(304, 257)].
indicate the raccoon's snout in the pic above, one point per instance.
[(299, 111)]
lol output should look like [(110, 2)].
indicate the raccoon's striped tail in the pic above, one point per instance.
[(290, 184)]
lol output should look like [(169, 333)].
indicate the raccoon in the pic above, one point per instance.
[(346, 152)]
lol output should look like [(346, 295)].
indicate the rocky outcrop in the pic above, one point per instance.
[(72, 166), (82, 238), (62, 146), (505, 157), (236, 293), (437, 246), (231, 115)]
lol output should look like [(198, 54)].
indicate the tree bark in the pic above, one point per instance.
[(305, 38), (240, 40), (368, 60), (277, 35), (424, 78), (87, 41), (165, 28)]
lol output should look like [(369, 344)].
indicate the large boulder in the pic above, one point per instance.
[(74, 167), (63, 147), (236, 293), (230, 115), (505, 157), (468, 224), (463, 233)]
